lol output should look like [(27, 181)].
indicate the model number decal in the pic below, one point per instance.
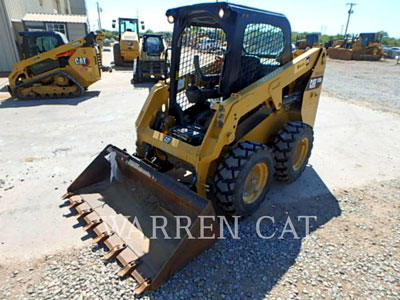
[(81, 61), (315, 83)]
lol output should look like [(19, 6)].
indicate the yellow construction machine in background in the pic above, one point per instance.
[(237, 111), (364, 47), (127, 48), (152, 61), (54, 67)]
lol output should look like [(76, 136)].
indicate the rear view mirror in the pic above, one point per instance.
[(143, 27)]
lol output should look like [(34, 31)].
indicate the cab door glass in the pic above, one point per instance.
[(38, 45)]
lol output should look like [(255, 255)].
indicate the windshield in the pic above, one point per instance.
[(154, 44), (128, 25), (40, 44)]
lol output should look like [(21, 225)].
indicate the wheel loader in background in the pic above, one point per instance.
[(210, 139), (152, 61), (127, 48), (54, 67), (364, 47)]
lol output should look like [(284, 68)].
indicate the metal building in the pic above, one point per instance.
[(8, 48), (67, 16), (73, 26)]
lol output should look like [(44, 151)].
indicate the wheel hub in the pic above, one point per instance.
[(300, 154), (255, 183)]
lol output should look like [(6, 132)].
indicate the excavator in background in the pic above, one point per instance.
[(55, 68), (152, 61), (210, 140), (127, 48), (366, 46)]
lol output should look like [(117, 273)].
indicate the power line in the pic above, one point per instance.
[(98, 13), (350, 12)]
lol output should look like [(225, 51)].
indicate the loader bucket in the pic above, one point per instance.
[(121, 198)]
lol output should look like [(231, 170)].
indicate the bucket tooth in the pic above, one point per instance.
[(75, 202), (92, 224), (67, 195), (114, 251), (84, 213), (143, 287), (129, 267), (102, 237)]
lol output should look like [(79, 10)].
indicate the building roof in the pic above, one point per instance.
[(34, 17)]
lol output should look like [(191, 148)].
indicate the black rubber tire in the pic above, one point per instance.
[(284, 147), (231, 174), (137, 76), (118, 60)]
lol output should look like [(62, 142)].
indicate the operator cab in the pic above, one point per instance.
[(153, 44), (219, 49), (126, 25), (37, 42), (368, 38)]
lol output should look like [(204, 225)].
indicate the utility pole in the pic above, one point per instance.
[(348, 18), (98, 15)]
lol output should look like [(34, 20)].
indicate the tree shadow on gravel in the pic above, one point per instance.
[(10, 102), (249, 267)]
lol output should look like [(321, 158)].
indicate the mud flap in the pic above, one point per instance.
[(121, 198)]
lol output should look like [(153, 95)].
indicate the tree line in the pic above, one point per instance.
[(385, 39)]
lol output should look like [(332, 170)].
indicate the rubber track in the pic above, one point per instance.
[(28, 83)]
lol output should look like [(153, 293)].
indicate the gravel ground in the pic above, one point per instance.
[(375, 84), (352, 253)]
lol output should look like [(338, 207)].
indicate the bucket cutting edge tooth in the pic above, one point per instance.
[(114, 251), (67, 195), (84, 213), (129, 268), (102, 237), (75, 203), (143, 286), (92, 224)]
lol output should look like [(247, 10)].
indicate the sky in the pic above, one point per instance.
[(326, 16)]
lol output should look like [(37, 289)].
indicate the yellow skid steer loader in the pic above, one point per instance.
[(54, 68), (210, 139), (152, 61)]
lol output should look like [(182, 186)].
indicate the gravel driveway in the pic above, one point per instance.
[(371, 83), (353, 252)]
